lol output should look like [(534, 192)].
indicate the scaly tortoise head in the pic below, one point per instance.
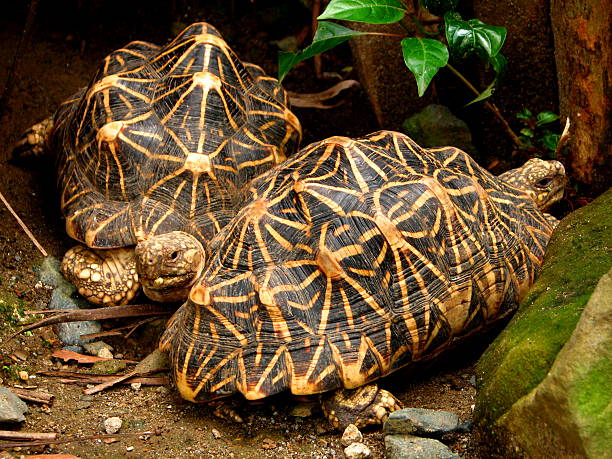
[(352, 259), (543, 180)]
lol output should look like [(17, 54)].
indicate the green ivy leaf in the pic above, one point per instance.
[(439, 7), (525, 114), (370, 11), (424, 56), (329, 34), (527, 132), (550, 140), (546, 117), (473, 37)]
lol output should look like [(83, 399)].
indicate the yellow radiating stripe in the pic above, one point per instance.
[(348, 310), (306, 307), (269, 368), (214, 370), (280, 239), (324, 313)]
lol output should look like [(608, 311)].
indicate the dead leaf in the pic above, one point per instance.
[(66, 356), (315, 100)]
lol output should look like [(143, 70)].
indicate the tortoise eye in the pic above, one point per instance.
[(544, 183), (174, 255)]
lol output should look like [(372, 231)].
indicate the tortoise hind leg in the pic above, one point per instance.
[(107, 277), (33, 142), (362, 406)]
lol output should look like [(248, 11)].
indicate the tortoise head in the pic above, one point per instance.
[(168, 265), (544, 181)]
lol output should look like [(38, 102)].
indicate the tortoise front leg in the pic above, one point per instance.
[(362, 406), (107, 277)]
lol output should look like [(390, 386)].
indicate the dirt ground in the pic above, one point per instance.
[(63, 55)]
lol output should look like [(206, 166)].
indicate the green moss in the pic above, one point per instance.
[(11, 309), (587, 393), (578, 255)]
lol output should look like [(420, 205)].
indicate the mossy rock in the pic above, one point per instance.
[(578, 255)]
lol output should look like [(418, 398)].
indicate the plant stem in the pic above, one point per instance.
[(492, 107)]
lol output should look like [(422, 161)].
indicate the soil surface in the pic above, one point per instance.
[(68, 42)]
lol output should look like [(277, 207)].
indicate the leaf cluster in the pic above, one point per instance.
[(456, 39), (536, 135)]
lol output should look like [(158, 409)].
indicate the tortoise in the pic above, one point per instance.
[(152, 156), (352, 259)]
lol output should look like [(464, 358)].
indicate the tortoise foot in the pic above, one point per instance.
[(106, 277), (362, 406), (33, 142)]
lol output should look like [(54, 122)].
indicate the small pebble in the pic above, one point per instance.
[(357, 451), (23, 375), (136, 385), (351, 435), (112, 425), (216, 433), (105, 353), (129, 448)]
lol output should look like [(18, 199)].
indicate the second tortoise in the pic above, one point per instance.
[(152, 157), (356, 258)]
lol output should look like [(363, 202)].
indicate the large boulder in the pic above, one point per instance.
[(533, 398)]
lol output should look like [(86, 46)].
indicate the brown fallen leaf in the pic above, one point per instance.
[(315, 100), (66, 356)]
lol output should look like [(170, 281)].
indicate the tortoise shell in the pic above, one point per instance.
[(163, 139), (350, 260)]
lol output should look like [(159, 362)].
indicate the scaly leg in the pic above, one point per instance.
[(107, 277)]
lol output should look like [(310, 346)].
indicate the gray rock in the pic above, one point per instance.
[(544, 383), (357, 451), (12, 408), (49, 274), (423, 423), (70, 333), (406, 446), (63, 297), (569, 411), (436, 126)]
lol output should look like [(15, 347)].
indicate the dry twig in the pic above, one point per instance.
[(11, 435), (111, 312), (23, 226), (73, 439), (32, 395)]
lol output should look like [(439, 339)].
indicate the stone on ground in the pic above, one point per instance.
[(12, 408), (524, 370), (351, 435), (357, 451), (570, 412), (422, 422), (407, 446)]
